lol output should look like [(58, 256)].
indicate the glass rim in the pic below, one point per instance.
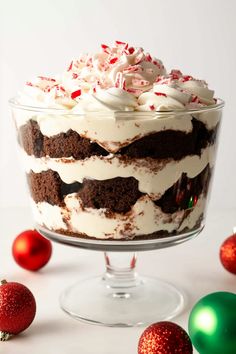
[(218, 105)]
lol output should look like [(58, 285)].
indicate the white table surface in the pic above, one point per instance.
[(193, 266)]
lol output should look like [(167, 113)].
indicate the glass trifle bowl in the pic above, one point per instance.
[(119, 182)]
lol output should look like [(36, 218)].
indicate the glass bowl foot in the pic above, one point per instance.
[(147, 301)]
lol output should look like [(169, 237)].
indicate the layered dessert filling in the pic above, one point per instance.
[(117, 148)]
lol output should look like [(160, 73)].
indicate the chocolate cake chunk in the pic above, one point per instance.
[(45, 187), (31, 138), (115, 194)]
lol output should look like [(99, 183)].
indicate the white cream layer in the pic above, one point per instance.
[(144, 218), (154, 176)]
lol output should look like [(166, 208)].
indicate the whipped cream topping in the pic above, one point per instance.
[(176, 91), (115, 99), (118, 78)]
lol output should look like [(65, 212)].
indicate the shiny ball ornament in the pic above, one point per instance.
[(31, 251), (17, 308), (212, 324), (164, 338), (228, 254)]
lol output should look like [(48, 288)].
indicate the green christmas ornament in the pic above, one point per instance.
[(212, 324)]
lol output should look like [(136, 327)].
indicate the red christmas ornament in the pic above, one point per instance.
[(17, 308), (164, 338), (31, 250), (228, 254)]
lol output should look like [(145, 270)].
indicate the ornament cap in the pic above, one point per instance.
[(3, 281), (4, 336)]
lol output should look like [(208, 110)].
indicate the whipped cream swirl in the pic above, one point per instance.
[(176, 91), (118, 78)]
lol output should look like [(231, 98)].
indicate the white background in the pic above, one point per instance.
[(41, 37)]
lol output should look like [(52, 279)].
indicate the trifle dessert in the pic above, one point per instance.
[(117, 148)]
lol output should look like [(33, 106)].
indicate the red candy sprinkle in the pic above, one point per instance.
[(195, 199), (74, 75), (136, 92), (119, 43), (133, 68), (70, 66), (61, 88), (157, 64), (47, 89), (29, 83), (152, 107), (75, 94), (113, 60), (195, 99), (160, 94), (105, 48), (124, 85), (46, 78), (131, 50), (118, 81), (187, 78), (148, 57)]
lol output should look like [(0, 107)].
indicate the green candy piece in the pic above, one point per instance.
[(190, 203), (212, 324)]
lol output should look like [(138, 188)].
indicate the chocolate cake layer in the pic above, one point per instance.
[(165, 144), (171, 143), (116, 194), (60, 145)]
